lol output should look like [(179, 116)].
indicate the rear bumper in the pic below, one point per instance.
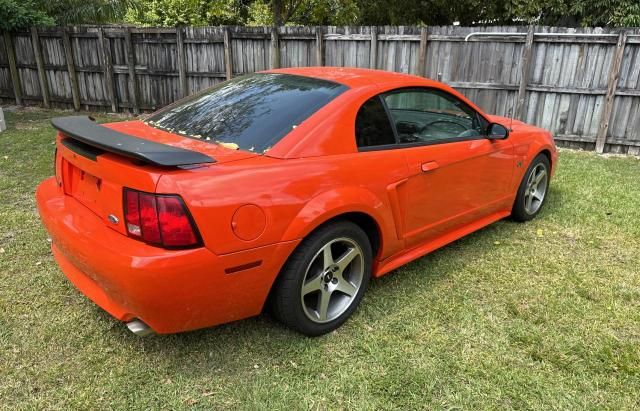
[(170, 290)]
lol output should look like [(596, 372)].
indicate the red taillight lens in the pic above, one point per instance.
[(159, 219), (176, 227), (149, 219)]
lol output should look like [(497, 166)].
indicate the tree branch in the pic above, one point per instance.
[(291, 10)]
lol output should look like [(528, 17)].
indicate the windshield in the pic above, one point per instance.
[(249, 113)]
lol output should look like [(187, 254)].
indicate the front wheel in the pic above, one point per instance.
[(533, 190), (324, 280)]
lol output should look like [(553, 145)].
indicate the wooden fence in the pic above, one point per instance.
[(583, 85)]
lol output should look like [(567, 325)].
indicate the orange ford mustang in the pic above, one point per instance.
[(289, 188)]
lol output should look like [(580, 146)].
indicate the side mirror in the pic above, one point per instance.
[(497, 131)]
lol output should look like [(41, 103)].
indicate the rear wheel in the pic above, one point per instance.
[(324, 280), (533, 190)]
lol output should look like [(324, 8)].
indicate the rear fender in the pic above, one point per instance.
[(332, 204)]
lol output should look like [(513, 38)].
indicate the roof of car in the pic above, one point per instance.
[(352, 77)]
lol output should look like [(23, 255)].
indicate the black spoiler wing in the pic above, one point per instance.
[(85, 130)]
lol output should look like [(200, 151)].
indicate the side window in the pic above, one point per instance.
[(425, 115), (372, 125)]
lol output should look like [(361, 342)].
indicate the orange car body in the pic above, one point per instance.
[(253, 210)]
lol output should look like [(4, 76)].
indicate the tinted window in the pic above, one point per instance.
[(423, 115), (372, 125), (252, 112)]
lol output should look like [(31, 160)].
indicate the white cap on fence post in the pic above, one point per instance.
[(3, 124)]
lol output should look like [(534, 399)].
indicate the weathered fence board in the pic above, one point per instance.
[(578, 83)]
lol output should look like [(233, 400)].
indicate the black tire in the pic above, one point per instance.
[(292, 308), (520, 212)]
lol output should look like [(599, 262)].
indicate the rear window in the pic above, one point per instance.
[(249, 113)]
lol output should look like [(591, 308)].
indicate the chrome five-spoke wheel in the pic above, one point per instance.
[(332, 280), (536, 188)]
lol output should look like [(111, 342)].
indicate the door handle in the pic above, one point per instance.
[(429, 166)]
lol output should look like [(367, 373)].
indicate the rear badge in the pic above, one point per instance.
[(113, 219)]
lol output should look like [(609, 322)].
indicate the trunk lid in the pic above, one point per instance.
[(95, 174)]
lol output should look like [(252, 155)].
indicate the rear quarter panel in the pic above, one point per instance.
[(296, 195)]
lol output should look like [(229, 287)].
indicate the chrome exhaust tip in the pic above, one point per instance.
[(139, 328)]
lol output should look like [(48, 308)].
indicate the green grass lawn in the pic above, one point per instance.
[(538, 315)]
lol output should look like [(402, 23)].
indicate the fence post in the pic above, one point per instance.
[(612, 85), (228, 53), (37, 52), (373, 50), (107, 63), (422, 59), (275, 48), (182, 62), (71, 69), (524, 73), (131, 63), (319, 46), (13, 68)]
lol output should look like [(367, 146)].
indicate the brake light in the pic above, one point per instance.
[(159, 219)]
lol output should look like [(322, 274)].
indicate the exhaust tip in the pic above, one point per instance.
[(139, 328)]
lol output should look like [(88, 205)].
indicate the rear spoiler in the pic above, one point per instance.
[(85, 130)]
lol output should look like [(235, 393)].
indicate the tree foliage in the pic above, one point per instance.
[(188, 12), (617, 13), (572, 13), (65, 12), (327, 12), (21, 14)]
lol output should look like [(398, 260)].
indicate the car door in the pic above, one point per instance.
[(456, 175)]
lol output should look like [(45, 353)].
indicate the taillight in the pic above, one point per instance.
[(176, 225), (159, 219)]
